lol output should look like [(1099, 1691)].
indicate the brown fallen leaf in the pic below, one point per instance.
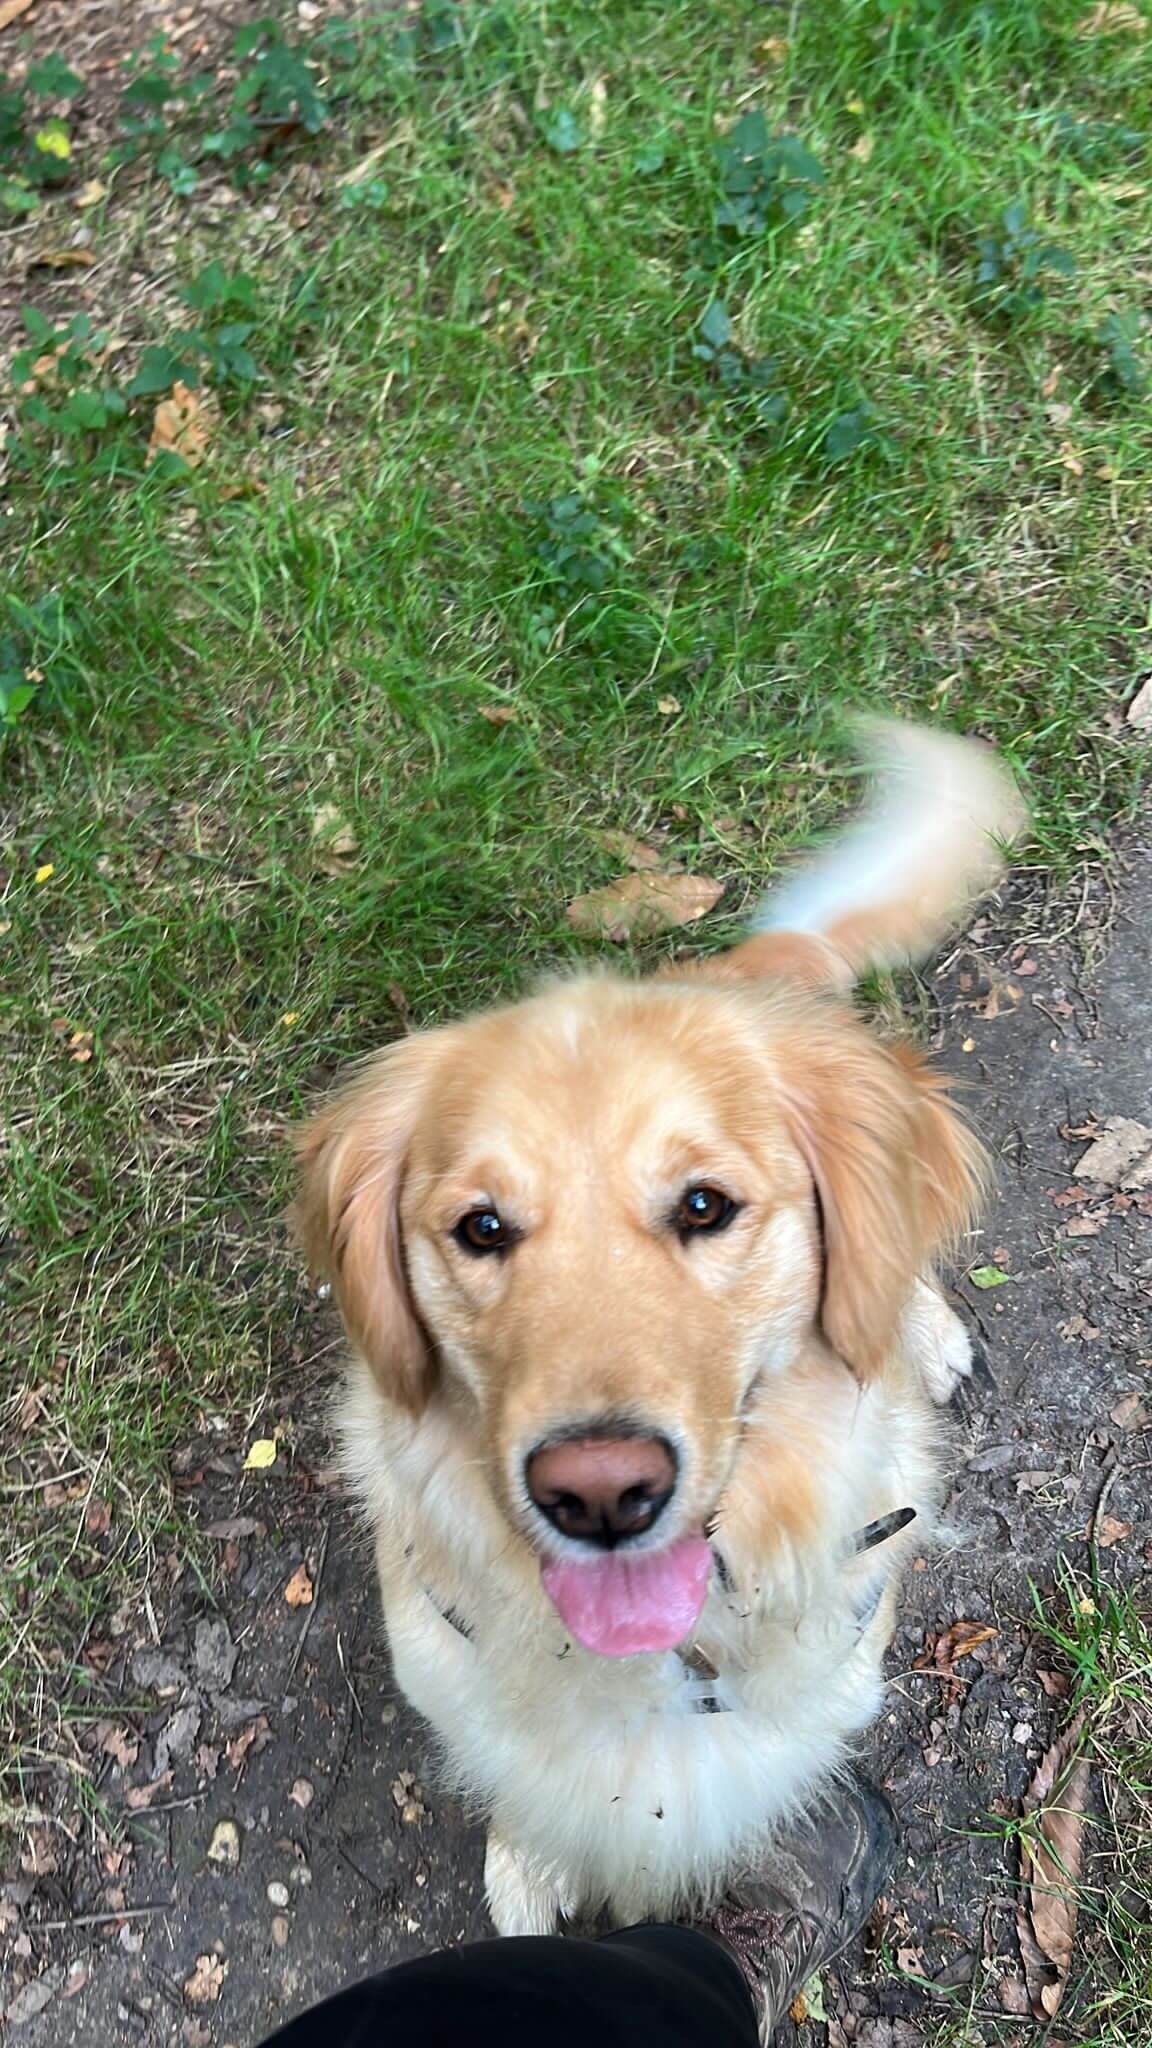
[(1108, 1531), (39, 1858), (256, 1736), (1120, 1156), (635, 853), (958, 1641), (182, 425), (204, 1986), (1087, 1226), (138, 1797), (499, 714), (1130, 1413), (97, 1517), (1050, 1856), (298, 1591), (639, 905), (117, 1743), (11, 10), (231, 1527)]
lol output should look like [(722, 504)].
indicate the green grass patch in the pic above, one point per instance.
[(667, 387)]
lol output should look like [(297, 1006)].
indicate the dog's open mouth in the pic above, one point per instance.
[(623, 1604)]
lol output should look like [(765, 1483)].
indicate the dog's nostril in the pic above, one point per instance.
[(602, 1489)]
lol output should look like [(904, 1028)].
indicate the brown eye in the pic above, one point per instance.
[(483, 1230), (704, 1209)]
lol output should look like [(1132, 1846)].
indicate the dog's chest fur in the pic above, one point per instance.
[(638, 1783)]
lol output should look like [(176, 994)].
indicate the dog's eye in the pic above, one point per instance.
[(704, 1209), (482, 1230)]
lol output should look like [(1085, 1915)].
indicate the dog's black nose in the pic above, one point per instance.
[(602, 1489)]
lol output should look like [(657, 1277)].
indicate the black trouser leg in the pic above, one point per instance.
[(660, 1987)]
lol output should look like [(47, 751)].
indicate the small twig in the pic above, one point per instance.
[(313, 1605), (1102, 1498), (53, 1479), (103, 1919)]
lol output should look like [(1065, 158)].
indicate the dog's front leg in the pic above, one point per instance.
[(935, 1342), (521, 1898)]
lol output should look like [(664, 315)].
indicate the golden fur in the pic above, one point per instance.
[(793, 1360)]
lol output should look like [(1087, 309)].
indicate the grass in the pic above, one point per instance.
[(483, 468)]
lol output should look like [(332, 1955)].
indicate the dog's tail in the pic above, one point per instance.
[(891, 887)]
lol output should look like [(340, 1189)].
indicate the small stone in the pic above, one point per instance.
[(280, 1931), (277, 1893), (224, 1848), (302, 1794)]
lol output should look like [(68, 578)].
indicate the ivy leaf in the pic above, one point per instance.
[(985, 1277), (562, 132), (716, 327)]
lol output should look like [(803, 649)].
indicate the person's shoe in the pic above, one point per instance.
[(812, 1895)]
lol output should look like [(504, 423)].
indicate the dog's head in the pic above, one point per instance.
[(601, 1220)]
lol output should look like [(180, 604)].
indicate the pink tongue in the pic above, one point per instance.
[(620, 1605)]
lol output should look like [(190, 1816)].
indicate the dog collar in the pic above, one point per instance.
[(701, 1674)]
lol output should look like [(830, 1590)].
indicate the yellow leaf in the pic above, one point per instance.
[(52, 140), (261, 1454), (45, 873), (91, 194), (289, 1018), (299, 1592)]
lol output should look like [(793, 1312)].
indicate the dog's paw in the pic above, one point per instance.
[(936, 1343), (521, 1900)]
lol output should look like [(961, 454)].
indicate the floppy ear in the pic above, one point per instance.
[(352, 1159), (897, 1171)]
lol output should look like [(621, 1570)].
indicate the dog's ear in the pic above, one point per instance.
[(352, 1159), (897, 1171)]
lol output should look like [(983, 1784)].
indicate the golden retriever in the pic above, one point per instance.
[(647, 1358)]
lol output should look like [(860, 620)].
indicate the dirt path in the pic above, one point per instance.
[(291, 1838)]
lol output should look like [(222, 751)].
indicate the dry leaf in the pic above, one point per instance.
[(1139, 711), (141, 1796), (499, 714), (11, 10), (862, 149), (114, 1742), (256, 1736), (408, 1796), (232, 1527), (302, 1794), (298, 1591), (203, 1987), (1130, 1413), (638, 905), (182, 425), (62, 259), (1120, 1157), (261, 1454), (91, 193), (635, 853), (39, 1858), (224, 1848), (1087, 1226), (1050, 1868), (336, 843), (1112, 18), (1109, 1531)]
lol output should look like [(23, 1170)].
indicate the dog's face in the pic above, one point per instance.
[(600, 1221)]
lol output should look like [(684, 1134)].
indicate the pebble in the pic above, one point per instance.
[(277, 1893), (280, 1931)]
